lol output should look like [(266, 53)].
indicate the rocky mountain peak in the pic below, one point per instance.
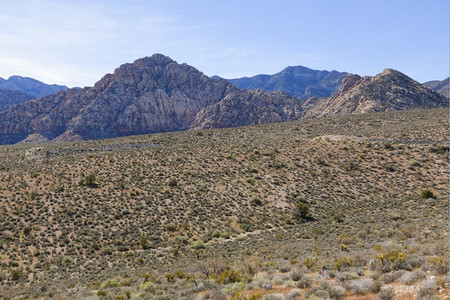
[(350, 81), (389, 90)]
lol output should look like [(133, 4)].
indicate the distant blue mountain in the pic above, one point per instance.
[(442, 87), (9, 98), (299, 81), (30, 86)]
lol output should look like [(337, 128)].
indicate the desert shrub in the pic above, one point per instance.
[(439, 264), (346, 276), (386, 294), (410, 277), (341, 262), (173, 182), (229, 276), (375, 275), (283, 267), (393, 259), (224, 235), (67, 260), (180, 274), (170, 277), (16, 274), (392, 276), (109, 283), (304, 282), (143, 241), (426, 194), (217, 295), (263, 283), (216, 234), (426, 294), (336, 291), (338, 217), (293, 294), (376, 286), (274, 297), (212, 268), (199, 245), (429, 283), (301, 211), (149, 287), (234, 287), (90, 181), (296, 275), (256, 201), (361, 286), (309, 262), (317, 291)]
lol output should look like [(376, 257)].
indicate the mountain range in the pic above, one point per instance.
[(298, 81), (17, 89), (156, 94), (442, 87), (30, 86)]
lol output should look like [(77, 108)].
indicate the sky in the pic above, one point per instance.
[(75, 43)]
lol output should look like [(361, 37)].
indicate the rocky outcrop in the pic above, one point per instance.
[(442, 87), (9, 98), (297, 81), (389, 90), (245, 107), (30, 86)]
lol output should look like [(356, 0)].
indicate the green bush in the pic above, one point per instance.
[(229, 276), (67, 260), (148, 287), (109, 283), (90, 181), (144, 242), (301, 211), (199, 245), (426, 194)]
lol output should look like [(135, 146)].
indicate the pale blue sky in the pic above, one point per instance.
[(76, 42)]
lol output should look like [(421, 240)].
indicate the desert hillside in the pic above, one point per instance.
[(349, 207)]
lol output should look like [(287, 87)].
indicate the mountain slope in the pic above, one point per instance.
[(297, 81), (245, 107), (9, 98), (30, 86), (442, 87), (389, 90)]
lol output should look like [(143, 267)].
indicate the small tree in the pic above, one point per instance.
[(301, 211), (144, 242)]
